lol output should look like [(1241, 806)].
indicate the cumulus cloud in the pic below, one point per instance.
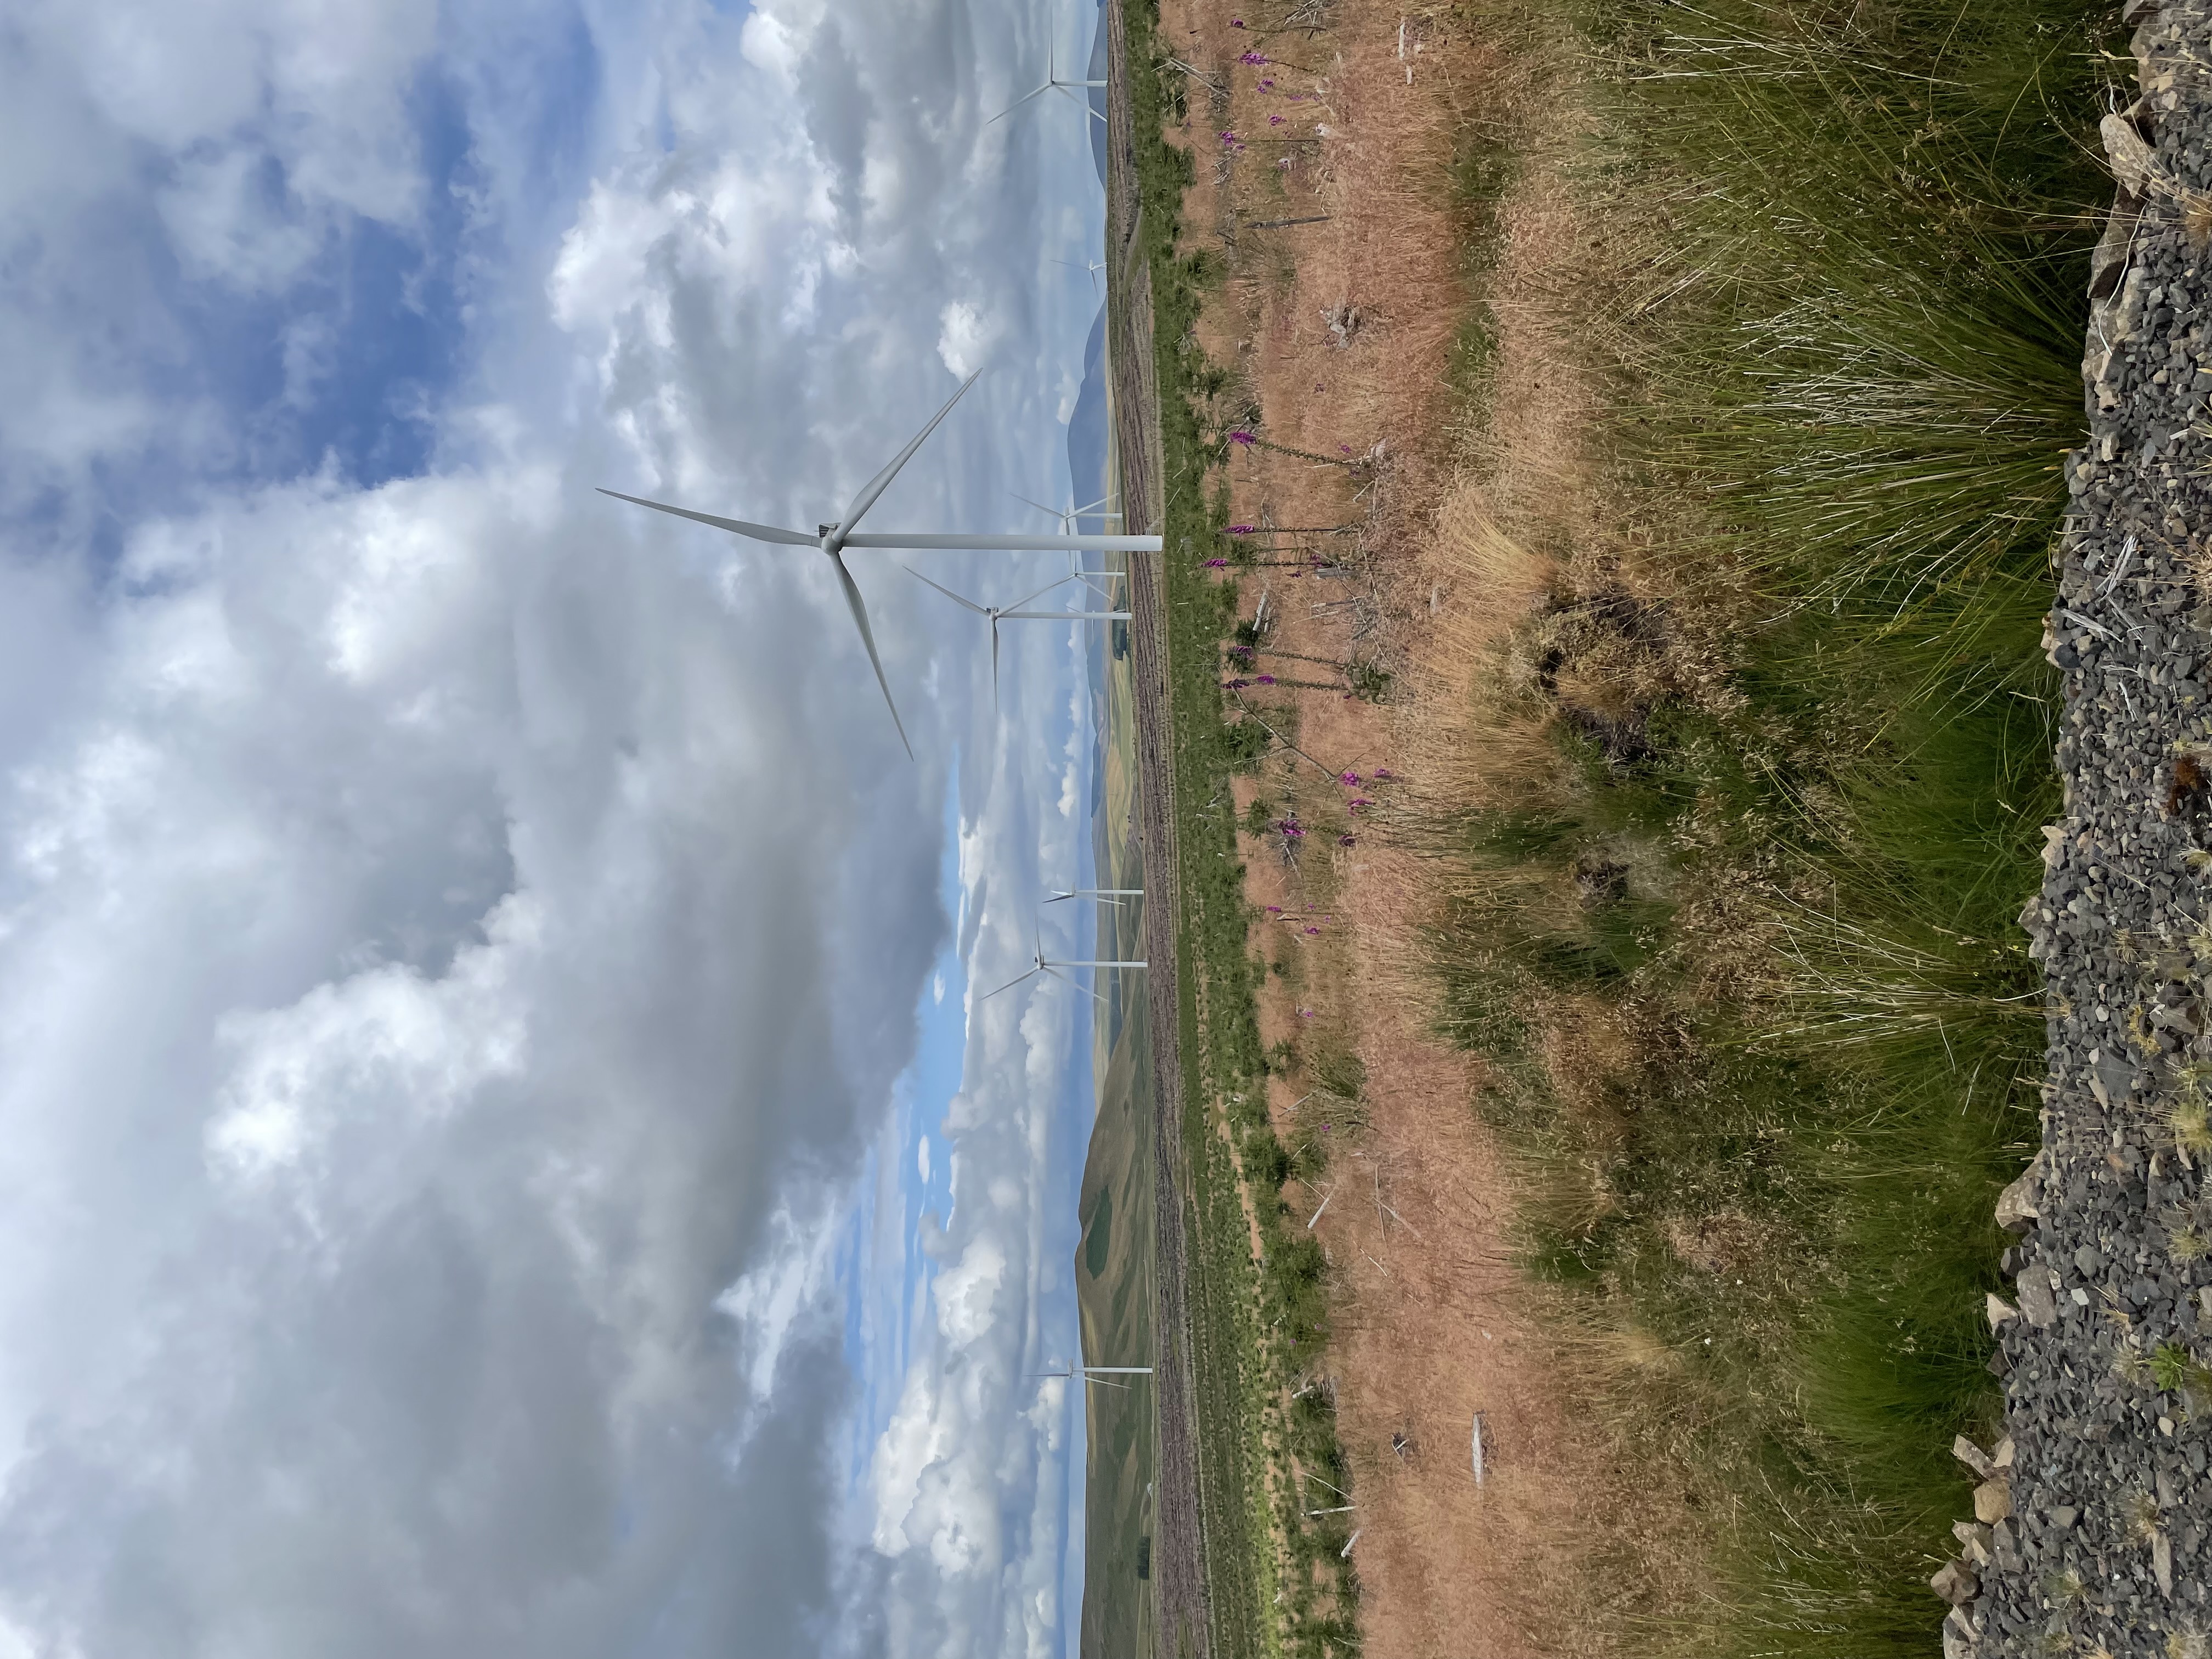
[(457, 935)]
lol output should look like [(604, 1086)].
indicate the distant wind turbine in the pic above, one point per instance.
[(1051, 968), (833, 539), (1111, 895), (1051, 80), (995, 614), (1094, 267), (1101, 1375), (1069, 517), (1069, 520)]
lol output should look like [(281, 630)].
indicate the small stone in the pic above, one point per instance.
[(1993, 1501), (2037, 1303), (1998, 1311), (1956, 1582), (2062, 1517), (1973, 1457), (2161, 1564), (1976, 1544), (2016, 1204)]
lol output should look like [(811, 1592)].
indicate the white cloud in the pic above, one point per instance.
[(963, 339), (447, 929)]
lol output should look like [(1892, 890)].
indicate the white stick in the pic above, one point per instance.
[(1341, 1508), (1324, 1205), (1478, 1449), (1348, 1543)]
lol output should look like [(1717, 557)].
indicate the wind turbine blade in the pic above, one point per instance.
[(1052, 512), (1058, 581), (868, 639), (759, 532), (881, 482), (947, 591), (1063, 616), (1018, 103), (932, 542), (994, 662), (1008, 986), (1103, 1382), (1077, 983)]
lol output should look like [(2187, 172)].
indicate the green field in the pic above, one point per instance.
[(1115, 1265)]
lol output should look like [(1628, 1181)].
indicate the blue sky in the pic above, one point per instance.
[(468, 949)]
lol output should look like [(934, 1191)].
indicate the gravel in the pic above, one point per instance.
[(2093, 1517)]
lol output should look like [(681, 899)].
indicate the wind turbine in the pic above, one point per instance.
[(1101, 1375), (1052, 969), (1068, 522), (1111, 895), (1051, 79), (832, 539), (1070, 517), (1095, 266), (996, 614)]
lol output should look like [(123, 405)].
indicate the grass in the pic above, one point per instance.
[(1779, 761)]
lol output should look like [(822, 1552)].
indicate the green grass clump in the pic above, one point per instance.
[(1848, 386)]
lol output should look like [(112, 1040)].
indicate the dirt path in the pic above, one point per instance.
[(1178, 1542)]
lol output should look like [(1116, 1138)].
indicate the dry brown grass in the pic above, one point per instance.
[(1468, 532)]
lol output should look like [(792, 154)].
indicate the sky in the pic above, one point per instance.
[(502, 1147)]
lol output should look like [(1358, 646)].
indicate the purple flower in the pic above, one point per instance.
[(1236, 22), (1241, 652), (1229, 140), (1312, 931), (1234, 685), (1347, 841), (1266, 86), (1344, 449), (1274, 121), (1350, 779), (1254, 58), (1355, 804), (1305, 1013), (1244, 439), (1274, 909), (1266, 680), (1384, 774), (1217, 564), (1239, 530)]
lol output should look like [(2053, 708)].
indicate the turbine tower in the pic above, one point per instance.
[(1051, 80), (994, 615), (832, 540), (1051, 968)]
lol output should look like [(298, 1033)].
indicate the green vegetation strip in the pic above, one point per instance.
[(1798, 796), (1257, 1325)]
